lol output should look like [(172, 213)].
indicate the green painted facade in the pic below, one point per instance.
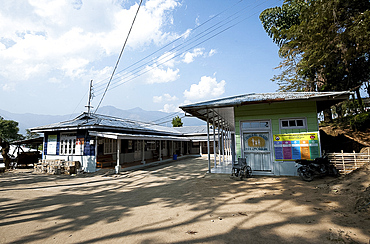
[(274, 112)]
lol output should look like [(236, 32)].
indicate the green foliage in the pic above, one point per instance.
[(360, 121), (329, 41), (278, 20), (31, 135), (176, 122), (8, 130), (8, 133)]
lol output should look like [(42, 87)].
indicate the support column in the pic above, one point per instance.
[(209, 154), (233, 149), (96, 150), (227, 143), (200, 148), (143, 152), (214, 141), (223, 143), (219, 140), (160, 151), (118, 166)]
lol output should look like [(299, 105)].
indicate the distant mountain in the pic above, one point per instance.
[(28, 120)]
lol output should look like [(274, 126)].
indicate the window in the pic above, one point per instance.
[(110, 146), (255, 124), (67, 144), (299, 123), (151, 145)]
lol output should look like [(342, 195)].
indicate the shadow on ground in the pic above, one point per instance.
[(175, 203)]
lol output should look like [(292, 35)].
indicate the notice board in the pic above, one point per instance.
[(52, 145), (289, 147)]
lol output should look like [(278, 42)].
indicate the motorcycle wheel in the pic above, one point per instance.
[(333, 171), (305, 174)]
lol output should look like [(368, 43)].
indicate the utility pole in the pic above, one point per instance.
[(90, 98)]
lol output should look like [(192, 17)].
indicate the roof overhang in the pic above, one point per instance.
[(221, 112), (34, 141), (219, 116), (117, 136)]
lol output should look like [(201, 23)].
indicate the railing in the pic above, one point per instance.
[(347, 162)]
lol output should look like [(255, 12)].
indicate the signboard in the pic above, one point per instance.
[(296, 146), (52, 144), (256, 142)]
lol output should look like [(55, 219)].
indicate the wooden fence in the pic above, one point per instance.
[(347, 162)]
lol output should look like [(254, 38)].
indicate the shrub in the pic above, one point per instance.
[(360, 121)]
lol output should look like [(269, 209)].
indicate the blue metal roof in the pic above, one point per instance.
[(99, 122)]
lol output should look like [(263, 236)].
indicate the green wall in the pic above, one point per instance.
[(274, 112)]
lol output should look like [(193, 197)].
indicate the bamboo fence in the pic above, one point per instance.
[(347, 162)]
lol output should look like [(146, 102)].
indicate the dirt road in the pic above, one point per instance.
[(180, 203)]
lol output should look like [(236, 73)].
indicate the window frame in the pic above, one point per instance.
[(289, 120), (110, 146), (67, 144)]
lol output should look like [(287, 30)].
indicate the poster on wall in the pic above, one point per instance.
[(52, 144), (256, 142), (80, 142), (289, 147)]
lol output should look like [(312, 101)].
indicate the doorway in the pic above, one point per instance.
[(256, 145)]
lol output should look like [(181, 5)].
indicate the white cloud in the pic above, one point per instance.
[(212, 52), (157, 99), (54, 80), (189, 56), (166, 97), (197, 22), (170, 108), (74, 67), (158, 75), (38, 37), (167, 59), (8, 87), (186, 33), (207, 87)]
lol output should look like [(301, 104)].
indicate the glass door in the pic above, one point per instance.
[(256, 145)]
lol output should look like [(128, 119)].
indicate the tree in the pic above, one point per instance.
[(32, 135), (325, 44), (8, 133), (176, 122)]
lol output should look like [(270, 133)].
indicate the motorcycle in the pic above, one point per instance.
[(317, 167)]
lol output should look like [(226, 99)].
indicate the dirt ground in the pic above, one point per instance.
[(179, 203)]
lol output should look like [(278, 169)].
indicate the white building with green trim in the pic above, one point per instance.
[(271, 130)]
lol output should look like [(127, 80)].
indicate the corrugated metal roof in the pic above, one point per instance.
[(267, 97), (97, 121), (193, 130), (221, 111)]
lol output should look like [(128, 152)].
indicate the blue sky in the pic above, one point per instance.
[(191, 51)]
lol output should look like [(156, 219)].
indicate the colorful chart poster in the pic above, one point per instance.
[(296, 146)]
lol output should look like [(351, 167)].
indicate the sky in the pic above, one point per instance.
[(178, 52)]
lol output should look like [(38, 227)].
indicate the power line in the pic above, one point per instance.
[(177, 39), (124, 45), (138, 72), (205, 35), (170, 115)]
